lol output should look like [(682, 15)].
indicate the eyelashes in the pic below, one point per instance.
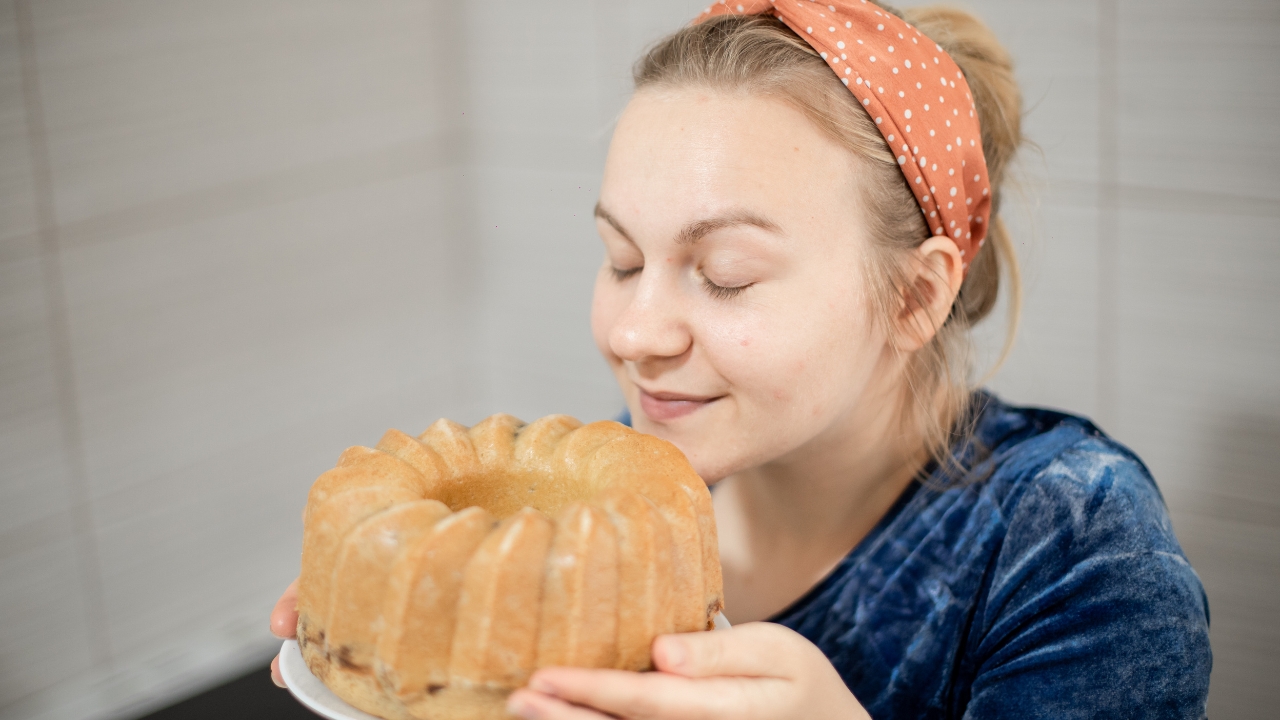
[(719, 292), (620, 274)]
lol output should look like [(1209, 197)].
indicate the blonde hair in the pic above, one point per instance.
[(760, 54)]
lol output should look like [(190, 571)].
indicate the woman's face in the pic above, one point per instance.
[(731, 303)]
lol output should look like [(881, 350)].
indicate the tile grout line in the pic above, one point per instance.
[(1108, 211), (88, 560)]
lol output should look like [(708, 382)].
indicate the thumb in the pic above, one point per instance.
[(284, 616), (757, 649)]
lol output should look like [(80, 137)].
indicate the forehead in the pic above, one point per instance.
[(694, 151)]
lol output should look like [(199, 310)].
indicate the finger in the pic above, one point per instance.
[(530, 705), (276, 677), (747, 650), (284, 616), (641, 696)]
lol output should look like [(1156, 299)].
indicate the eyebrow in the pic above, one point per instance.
[(696, 230)]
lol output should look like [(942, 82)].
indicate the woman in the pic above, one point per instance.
[(800, 218)]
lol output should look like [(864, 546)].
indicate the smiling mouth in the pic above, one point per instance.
[(663, 406)]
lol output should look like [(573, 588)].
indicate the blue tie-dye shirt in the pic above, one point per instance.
[(1051, 586)]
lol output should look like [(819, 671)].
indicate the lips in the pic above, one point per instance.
[(664, 406)]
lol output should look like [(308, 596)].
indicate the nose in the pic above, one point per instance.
[(652, 326)]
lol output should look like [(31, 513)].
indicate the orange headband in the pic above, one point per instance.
[(915, 93)]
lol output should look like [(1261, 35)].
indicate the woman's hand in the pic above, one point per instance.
[(751, 672), (284, 624)]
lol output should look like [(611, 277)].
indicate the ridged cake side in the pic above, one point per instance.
[(440, 571)]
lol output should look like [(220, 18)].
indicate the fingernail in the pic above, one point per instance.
[(517, 705), (674, 652)]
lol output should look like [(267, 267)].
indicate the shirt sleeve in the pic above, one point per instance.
[(1092, 610)]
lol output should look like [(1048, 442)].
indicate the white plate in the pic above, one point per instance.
[(321, 700), (310, 691)]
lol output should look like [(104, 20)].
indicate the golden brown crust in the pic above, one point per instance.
[(451, 440), (496, 637), (360, 689), (366, 467), (494, 439), (413, 608), (327, 524), (368, 552), (536, 443), (462, 703), (426, 461), (712, 578), (422, 605), (644, 577), (579, 625)]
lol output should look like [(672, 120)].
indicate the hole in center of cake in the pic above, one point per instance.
[(504, 494)]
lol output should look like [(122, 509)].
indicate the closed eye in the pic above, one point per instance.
[(723, 293), (619, 274)]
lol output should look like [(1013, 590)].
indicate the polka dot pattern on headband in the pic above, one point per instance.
[(939, 152)]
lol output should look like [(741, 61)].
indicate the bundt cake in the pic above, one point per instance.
[(439, 572)]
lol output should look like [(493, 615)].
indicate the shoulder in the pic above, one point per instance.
[(1087, 571), (1056, 474), (1071, 498)]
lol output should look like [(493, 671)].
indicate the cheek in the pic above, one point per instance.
[(795, 363), (730, 338), (757, 353)]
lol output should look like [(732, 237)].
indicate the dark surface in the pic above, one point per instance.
[(247, 697)]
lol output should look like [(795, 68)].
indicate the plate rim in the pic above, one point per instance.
[(309, 690)]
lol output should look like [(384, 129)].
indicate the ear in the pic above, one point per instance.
[(933, 280)]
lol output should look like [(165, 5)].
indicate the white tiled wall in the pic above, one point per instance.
[(257, 254), (1199, 351), (274, 229), (17, 193), (1051, 206)]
